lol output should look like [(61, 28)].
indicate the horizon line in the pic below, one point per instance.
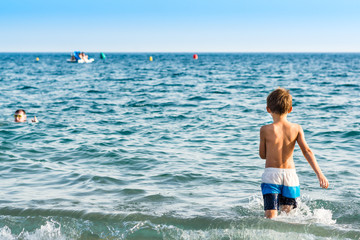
[(189, 52)]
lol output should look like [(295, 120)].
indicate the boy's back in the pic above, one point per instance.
[(279, 139)]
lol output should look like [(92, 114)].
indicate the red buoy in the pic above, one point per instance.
[(195, 56)]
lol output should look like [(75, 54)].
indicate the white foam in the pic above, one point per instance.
[(5, 233), (302, 214), (256, 202), (51, 230), (243, 233)]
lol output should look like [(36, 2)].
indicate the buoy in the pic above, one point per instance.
[(195, 56), (102, 56), (150, 58), (37, 59)]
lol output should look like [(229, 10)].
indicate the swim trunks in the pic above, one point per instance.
[(279, 186)]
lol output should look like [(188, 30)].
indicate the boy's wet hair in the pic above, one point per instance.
[(20, 111), (279, 101)]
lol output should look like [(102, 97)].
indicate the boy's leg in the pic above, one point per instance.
[(287, 204), (271, 213), (271, 188), (271, 204), (286, 208), (290, 191)]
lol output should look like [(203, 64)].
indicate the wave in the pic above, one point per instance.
[(63, 224), (146, 230), (198, 98)]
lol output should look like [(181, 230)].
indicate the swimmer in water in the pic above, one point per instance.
[(20, 116)]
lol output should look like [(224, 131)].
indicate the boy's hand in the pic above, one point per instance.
[(324, 183), (35, 119)]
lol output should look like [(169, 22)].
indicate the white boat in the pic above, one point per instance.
[(75, 58), (80, 60)]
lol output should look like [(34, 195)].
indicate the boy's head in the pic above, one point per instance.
[(279, 101), (20, 115)]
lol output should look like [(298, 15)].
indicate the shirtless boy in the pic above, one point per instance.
[(280, 183)]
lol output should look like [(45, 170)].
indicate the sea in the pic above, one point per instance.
[(128, 148)]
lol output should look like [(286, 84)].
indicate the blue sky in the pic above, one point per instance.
[(180, 26)]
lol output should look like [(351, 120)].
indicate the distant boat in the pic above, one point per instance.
[(75, 58)]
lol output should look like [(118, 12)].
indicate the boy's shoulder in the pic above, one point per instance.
[(271, 126), (266, 129), (266, 126), (295, 125)]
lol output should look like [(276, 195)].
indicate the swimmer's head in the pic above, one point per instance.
[(279, 101), (20, 115)]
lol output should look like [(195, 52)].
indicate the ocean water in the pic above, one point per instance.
[(132, 149)]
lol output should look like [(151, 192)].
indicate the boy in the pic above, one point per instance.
[(20, 116), (280, 184)]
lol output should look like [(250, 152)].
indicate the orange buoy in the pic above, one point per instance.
[(195, 56), (150, 58)]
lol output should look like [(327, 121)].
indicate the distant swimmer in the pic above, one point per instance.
[(20, 116), (83, 56), (279, 183)]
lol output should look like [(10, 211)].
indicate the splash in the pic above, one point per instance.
[(5, 233), (305, 215), (232, 233), (51, 230)]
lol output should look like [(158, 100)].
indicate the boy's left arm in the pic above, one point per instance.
[(262, 146), (310, 157)]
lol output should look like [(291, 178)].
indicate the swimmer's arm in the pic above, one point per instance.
[(310, 157), (262, 146), (34, 119)]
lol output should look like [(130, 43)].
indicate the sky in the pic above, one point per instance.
[(180, 25)]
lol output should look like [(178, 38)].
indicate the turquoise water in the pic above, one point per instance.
[(132, 149)]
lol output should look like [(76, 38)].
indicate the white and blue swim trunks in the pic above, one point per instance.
[(279, 186)]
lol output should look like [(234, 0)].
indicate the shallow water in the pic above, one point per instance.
[(132, 149)]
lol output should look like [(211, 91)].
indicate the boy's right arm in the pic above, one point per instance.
[(310, 157), (262, 146)]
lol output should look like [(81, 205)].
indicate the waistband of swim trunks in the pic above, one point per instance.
[(280, 170)]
